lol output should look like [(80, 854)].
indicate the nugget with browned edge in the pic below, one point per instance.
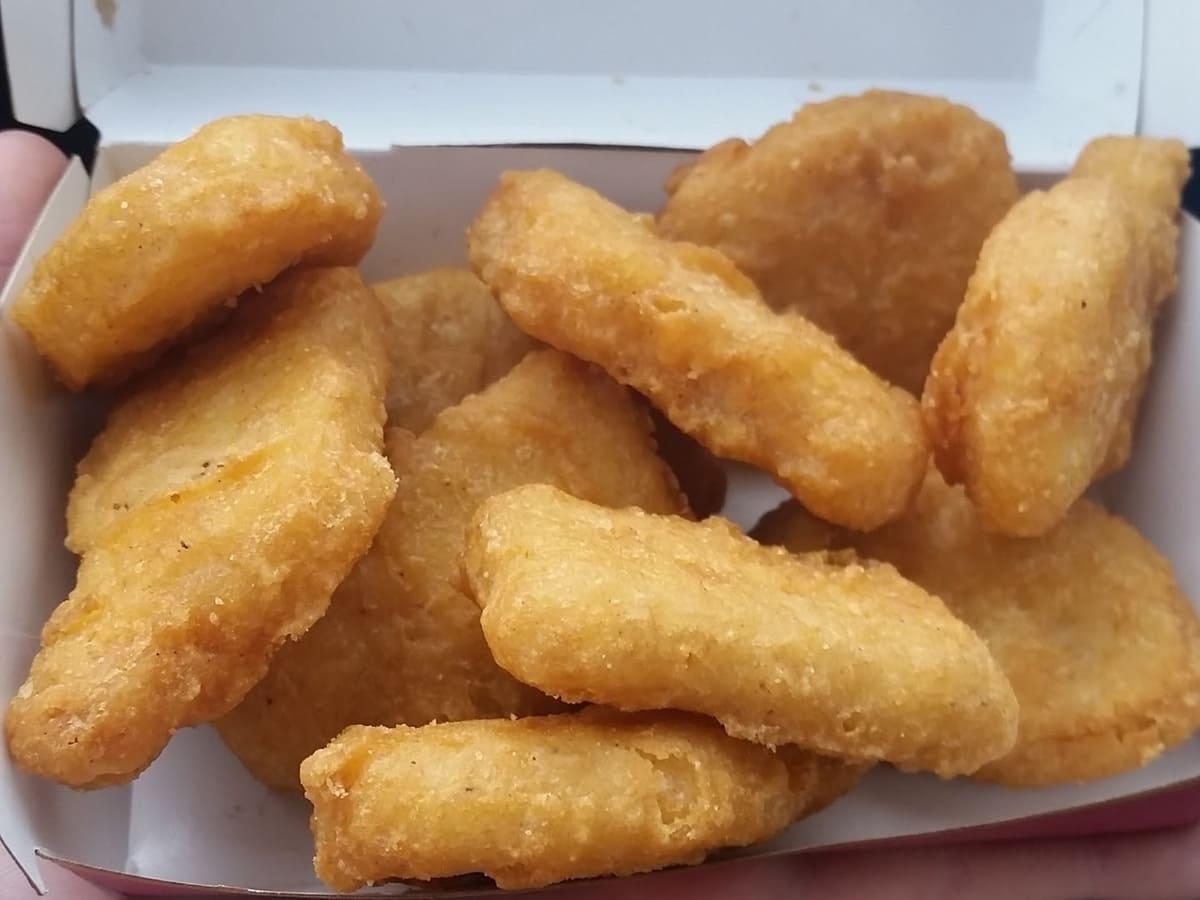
[(865, 213), (449, 338), (640, 611), (1034, 392), (227, 496), (539, 800), (682, 325), (401, 643), (1087, 622), (156, 253)]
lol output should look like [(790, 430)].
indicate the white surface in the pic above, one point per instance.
[(1171, 78), (197, 816), (37, 48), (628, 73), (42, 430)]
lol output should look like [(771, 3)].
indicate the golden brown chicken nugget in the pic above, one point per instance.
[(682, 325), (401, 643), (227, 496), (1152, 172), (865, 213), (225, 210), (449, 338), (539, 800), (1034, 392), (639, 611), (1087, 622)]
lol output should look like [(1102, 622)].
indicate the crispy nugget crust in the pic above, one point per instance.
[(866, 214), (226, 209), (1152, 172), (687, 329), (648, 612), (1034, 392), (1087, 622), (449, 338), (401, 643), (221, 505), (540, 800)]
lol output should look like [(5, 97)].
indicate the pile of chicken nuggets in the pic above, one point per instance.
[(443, 552)]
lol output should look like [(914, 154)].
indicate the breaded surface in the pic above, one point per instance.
[(449, 338), (401, 643), (1034, 392), (865, 213), (154, 254), (227, 496), (1087, 622), (649, 612), (682, 325), (1152, 172), (701, 476), (539, 800)]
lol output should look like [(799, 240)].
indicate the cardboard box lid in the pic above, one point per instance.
[(672, 73)]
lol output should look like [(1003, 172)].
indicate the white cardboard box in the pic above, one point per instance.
[(437, 99)]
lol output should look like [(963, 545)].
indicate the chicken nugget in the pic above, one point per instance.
[(401, 643), (639, 611), (684, 327), (701, 476), (225, 499), (449, 338), (1152, 172), (539, 800), (1034, 392), (865, 213), (154, 254), (1087, 622)]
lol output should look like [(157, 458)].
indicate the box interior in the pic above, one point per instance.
[(1052, 74), (156, 71)]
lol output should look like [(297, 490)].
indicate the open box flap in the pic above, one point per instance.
[(37, 50), (626, 73)]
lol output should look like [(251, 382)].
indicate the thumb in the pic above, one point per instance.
[(29, 168)]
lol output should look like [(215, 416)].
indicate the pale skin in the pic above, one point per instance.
[(1151, 866)]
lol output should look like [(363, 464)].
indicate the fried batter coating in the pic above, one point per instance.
[(539, 800), (866, 214), (650, 612), (225, 499), (1152, 172), (401, 643), (682, 325), (449, 338), (1034, 392), (1087, 622), (154, 254), (701, 476)]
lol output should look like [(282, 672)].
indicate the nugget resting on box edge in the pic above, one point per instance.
[(683, 326), (227, 496), (866, 214), (401, 643), (539, 800), (1034, 392), (1087, 622), (639, 611), (157, 252), (449, 338)]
